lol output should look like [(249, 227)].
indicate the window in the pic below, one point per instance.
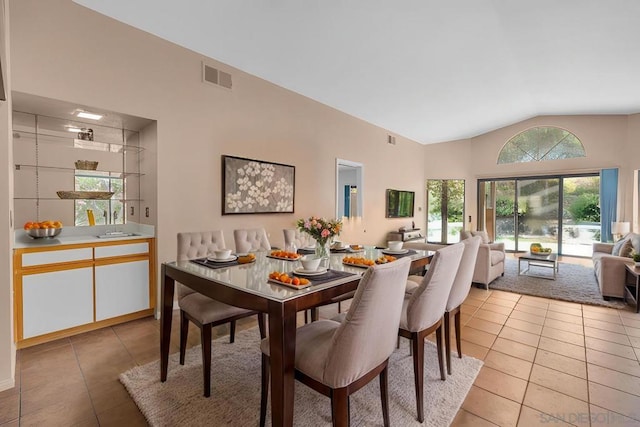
[(105, 211), (445, 210), (539, 144)]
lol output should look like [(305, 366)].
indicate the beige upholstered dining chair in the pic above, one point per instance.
[(298, 238), (423, 311), (251, 240), (459, 292), (338, 358), (203, 311)]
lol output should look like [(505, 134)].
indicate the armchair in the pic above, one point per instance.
[(490, 260)]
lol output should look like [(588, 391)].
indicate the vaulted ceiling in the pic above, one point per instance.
[(428, 70)]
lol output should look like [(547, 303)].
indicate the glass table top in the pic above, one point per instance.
[(253, 277)]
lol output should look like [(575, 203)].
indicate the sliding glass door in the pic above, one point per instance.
[(538, 212), (580, 214), (560, 212)]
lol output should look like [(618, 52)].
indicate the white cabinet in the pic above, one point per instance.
[(67, 289), (56, 300), (121, 288)]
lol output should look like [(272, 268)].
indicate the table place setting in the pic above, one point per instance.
[(222, 258), (394, 247)]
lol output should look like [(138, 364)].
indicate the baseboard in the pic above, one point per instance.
[(7, 384)]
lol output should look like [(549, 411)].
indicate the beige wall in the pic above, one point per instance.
[(7, 349)]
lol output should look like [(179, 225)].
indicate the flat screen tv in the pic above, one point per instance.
[(400, 203)]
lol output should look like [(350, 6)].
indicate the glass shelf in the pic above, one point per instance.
[(112, 147), (82, 172), (63, 200)]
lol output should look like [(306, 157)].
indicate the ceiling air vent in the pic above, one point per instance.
[(216, 77)]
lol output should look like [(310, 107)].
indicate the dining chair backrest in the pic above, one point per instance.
[(427, 304), (367, 335), (464, 276), (251, 240), (194, 245), (298, 238)]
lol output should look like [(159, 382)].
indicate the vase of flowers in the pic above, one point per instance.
[(322, 230)]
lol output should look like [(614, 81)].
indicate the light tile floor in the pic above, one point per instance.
[(547, 362)]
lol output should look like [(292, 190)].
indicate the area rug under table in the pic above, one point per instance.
[(235, 390), (574, 283)]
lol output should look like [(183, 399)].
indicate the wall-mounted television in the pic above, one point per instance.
[(400, 203)]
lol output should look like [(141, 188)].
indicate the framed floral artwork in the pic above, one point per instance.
[(255, 186)]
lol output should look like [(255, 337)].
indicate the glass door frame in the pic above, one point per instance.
[(481, 204)]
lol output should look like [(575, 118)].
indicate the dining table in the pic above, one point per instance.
[(247, 286)]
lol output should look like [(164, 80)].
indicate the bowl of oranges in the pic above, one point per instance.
[(43, 229)]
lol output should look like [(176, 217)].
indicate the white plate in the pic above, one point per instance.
[(231, 258), (390, 252), (302, 272)]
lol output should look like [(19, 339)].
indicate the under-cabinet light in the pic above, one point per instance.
[(87, 115), (71, 129)]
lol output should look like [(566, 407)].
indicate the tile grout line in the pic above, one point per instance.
[(84, 379)]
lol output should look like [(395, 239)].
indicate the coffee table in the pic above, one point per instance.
[(538, 260)]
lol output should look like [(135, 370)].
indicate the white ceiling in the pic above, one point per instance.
[(429, 70)]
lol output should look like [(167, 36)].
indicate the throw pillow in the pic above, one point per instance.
[(626, 249), (483, 235), (635, 241), (618, 246)]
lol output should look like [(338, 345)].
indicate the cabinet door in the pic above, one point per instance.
[(56, 300), (121, 288)]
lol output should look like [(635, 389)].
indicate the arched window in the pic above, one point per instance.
[(541, 143)]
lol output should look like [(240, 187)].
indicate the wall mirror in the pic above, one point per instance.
[(349, 190)]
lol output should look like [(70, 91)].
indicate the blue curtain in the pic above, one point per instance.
[(608, 202)]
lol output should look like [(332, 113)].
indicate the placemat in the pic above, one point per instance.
[(409, 253), (329, 276), (302, 251), (214, 265)]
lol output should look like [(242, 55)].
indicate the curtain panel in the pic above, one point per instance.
[(608, 202)]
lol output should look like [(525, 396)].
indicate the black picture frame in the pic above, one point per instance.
[(251, 186)]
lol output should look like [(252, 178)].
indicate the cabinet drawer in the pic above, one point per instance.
[(120, 250), (53, 257)]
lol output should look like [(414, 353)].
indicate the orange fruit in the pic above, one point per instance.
[(295, 281), (57, 224), (28, 225)]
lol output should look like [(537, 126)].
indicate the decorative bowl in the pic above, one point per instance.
[(89, 195), (395, 245), (222, 253), (40, 233), (86, 165), (310, 262)]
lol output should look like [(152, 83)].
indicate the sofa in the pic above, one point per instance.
[(609, 261), (490, 260)]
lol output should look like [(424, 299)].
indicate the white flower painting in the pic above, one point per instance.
[(254, 186)]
